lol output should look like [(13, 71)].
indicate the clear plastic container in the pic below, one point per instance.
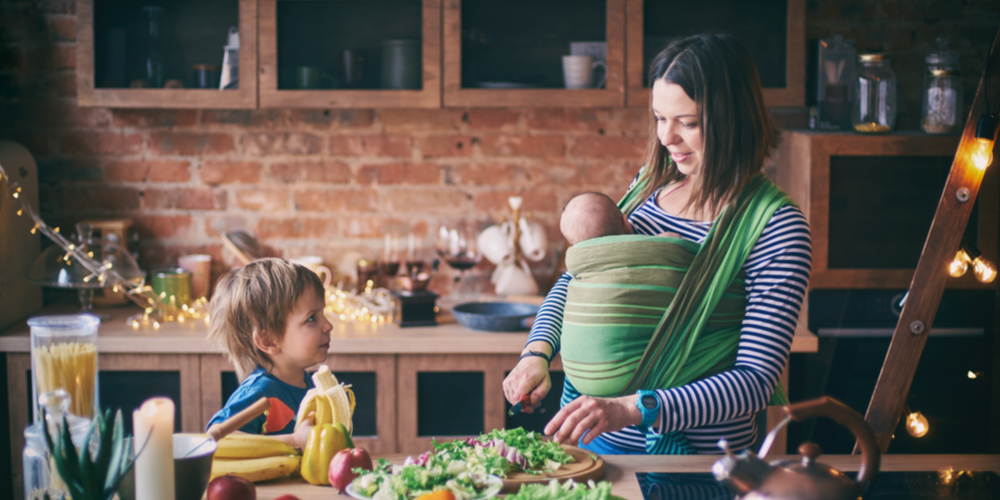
[(941, 99), (40, 476), (873, 95), (64, 356)]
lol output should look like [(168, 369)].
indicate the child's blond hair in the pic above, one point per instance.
[(253, 302)]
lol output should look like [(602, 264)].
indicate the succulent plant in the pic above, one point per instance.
[(92, 476)]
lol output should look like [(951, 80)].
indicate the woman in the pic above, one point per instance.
[(710, 137)]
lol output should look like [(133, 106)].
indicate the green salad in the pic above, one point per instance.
[(423, 475), (502, 451), (569, 490)]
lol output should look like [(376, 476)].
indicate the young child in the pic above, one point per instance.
[(268, 317), (590, 215)]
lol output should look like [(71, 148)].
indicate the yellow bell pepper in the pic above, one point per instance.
[(324, 442)]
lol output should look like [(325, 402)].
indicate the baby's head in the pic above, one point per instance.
[(590, 215), (251, 306)]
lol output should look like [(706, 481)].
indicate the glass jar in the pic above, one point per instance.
[(941, 99), (40, 476), (873, 95), (64, 356)]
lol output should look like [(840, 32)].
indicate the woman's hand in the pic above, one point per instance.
[(529, 377), (593, 417)]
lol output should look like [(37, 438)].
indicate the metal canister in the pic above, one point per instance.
[(172, 282)]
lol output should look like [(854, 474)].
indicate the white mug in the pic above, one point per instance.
[(578, 72), (315, 264)]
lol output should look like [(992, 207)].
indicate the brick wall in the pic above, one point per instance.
[(333, 182)]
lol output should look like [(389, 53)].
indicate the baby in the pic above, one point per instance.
[(590, 215)]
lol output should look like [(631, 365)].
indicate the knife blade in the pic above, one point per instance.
[(518, 406)]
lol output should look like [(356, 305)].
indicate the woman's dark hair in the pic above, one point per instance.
[(717, 73)]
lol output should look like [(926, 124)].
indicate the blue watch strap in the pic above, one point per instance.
[(649, 404)]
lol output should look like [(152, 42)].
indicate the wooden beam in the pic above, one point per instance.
[(929, 278)]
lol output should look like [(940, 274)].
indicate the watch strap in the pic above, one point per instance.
[(649, 415), (540, 354)]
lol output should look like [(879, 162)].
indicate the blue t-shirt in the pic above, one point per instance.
[(262, 384)]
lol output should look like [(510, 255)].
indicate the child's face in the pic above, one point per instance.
[(307, 333)]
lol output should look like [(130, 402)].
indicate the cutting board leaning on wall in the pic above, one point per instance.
[(18, 247)]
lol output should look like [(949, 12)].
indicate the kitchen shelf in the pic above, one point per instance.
[(759, 25), (192, 32), (521, 44), (315, 33)]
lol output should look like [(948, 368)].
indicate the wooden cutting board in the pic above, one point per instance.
[(586, 466)]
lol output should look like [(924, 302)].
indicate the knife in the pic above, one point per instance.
[(517, 406)]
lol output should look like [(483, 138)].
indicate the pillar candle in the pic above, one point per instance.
[(411, 250), (388, 248), (153, 424)]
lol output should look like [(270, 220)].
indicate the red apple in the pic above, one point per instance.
[(287, 497), (342, 464), (231, 488)]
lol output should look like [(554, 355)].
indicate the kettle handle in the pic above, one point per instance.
[(844, 415)]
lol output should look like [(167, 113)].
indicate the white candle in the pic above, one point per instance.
[(412, 249), (453, 246), (153, 424)]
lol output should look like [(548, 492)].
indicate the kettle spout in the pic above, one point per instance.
[(740, 473)]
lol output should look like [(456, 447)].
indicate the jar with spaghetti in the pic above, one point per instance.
[(41, 480), (873, 95), (64, 356)]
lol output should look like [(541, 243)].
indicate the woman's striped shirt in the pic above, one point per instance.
[(723, 405)]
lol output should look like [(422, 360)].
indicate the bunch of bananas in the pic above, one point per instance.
[(332, 401), (254, 458)]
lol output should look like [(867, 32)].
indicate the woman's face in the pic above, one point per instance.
[(677, 126)]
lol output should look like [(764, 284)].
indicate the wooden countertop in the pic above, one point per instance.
[(449, 337), (621, 470)]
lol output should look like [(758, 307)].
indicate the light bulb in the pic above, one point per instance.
[(984, 270), (916, 424), (972, 374), (959, 264), (982, 153)]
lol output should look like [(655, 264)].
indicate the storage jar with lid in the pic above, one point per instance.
[(873, 95), (40, 477), (64, 356), (941, 99)]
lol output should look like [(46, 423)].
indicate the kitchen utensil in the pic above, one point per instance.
[(495, 316), (519, 406), (200, 267), (585, 466), (401, 64), (353, 70), (753, 479), (310, 77), (578, 72), (232, 424), (204, 76), (315, 264), (18, 246), (173, 286)]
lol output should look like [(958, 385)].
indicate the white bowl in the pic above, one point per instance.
[(494, 484)]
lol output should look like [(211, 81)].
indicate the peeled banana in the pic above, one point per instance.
[(243, 446), (332, 401), (255, 469)]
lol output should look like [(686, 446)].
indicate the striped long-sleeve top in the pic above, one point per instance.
[(723, 405)]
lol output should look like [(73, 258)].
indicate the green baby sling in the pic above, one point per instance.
[(651, 312)]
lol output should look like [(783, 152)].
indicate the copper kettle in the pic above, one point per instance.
[(754, 479)]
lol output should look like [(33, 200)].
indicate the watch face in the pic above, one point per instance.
[(649, 402)]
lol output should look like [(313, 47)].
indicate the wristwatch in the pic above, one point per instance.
[(649, 405)]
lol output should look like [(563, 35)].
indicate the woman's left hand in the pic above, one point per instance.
[(592, 416)]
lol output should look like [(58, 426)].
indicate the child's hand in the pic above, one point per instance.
[(302, 430)]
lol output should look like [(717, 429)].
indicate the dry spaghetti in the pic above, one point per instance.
[(71, 366)]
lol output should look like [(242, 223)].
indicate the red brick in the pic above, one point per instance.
[(184, 199), (97, 198), (230, 172), (61, 113), (62, 84), (63, 28), (420, 119), (426, 200), (58, 6), (62, 172), (623, 148), (216, 225), (151, 170), (255, 118), (264, 199), (534, 146), (85, 142), (64, 56), (155, 117), (488, 174), (397, 146), (438, 146), (537, 200), (297, 227), (190, 143), (337, 118), (163, 226), (568, 119), (598, 175), (396, 173), (38, 142), (635, 121), (276, 143), (329, 171), (492, 118), (335, 200)]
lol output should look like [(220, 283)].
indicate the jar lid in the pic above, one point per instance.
[(365, 263), (943, 72), (170, 272), (872, 57)]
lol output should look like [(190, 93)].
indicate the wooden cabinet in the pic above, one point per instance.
[(191, 32)]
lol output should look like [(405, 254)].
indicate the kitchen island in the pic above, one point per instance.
[(622, 469)]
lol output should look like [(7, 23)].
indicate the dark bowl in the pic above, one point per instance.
[(191, 473), (495, 316)]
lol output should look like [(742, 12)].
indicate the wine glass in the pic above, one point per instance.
[(457, 247)]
